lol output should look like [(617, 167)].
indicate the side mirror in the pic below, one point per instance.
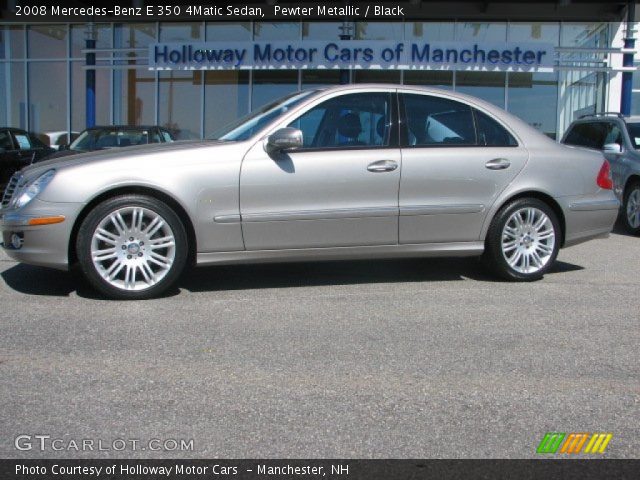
[(284, 139), (614, 148)]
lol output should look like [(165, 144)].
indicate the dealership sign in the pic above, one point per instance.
[(355, 54)]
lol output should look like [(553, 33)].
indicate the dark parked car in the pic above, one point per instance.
[(18, 148), (100, 138)]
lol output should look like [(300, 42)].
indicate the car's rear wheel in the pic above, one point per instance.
[(523, 240), (132, 247), (631, 208)]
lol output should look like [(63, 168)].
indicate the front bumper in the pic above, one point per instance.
[(43, 245)]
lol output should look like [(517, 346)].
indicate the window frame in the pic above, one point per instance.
[(404, 130), (394, 127)]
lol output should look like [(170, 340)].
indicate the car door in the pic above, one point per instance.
[(617, 161), (9, 159), (339, 189), (456, 160)]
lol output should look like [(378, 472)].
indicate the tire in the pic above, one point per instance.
[(631, 208), (132, 247), (523, 240)]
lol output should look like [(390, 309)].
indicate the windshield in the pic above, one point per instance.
[(634, 134), (108, 138), (247, 126)]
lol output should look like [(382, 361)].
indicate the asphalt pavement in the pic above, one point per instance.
[(370, 359)]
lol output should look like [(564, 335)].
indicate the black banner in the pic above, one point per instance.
[(319, 469), (34, 11)]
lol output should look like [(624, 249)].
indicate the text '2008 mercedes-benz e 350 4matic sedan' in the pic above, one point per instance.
[(360, 171)]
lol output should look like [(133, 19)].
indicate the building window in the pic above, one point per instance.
[(48, 96), (180, 103), (488, 86), (15, 36), (276, 31), (103, 34), (548, 32), (584, 35), (379, 31), (134, 101), (376, 76), (228, 31), (47, 41), (17, 102), (180, 32), (78, 101), (481, 31), (134, 89), (321, 30), (320, 78), (268, 85), (429, 31), (226, 98), (534, 98), (431, 78)]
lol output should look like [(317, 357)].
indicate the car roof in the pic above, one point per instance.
[(123, 127), (600, 117)]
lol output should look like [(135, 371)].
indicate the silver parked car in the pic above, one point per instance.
[(358, 171), (618, 138)]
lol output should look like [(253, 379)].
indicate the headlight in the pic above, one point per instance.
[(33, 188)]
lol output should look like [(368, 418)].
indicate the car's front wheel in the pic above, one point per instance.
[(631, 208), (132, 247), (523, 240)]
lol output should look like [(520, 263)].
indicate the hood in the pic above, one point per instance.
[(124, 154)]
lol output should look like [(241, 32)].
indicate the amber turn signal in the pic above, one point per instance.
[(46, 220)]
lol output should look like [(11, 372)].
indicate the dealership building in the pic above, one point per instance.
[(548, 62)]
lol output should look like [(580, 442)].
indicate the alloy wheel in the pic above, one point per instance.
[(133, 248), (633, 208), (528, 240)]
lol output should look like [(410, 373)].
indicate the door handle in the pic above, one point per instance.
[(498, 164), (382, 166)]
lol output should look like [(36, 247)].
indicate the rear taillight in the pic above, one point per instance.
[(604, 176)]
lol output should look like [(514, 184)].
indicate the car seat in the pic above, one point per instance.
[(349, 127)]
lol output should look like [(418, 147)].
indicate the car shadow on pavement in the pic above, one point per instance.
[(619, 229), (351, 272), (32, 280)]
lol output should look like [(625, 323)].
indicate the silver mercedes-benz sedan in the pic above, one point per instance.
[(358, 171)]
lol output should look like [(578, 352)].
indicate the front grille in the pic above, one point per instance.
[(10, 190)]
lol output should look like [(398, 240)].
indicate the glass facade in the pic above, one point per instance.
[(42, 72)]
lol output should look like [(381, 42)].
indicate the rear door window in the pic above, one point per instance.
[(437, 121)]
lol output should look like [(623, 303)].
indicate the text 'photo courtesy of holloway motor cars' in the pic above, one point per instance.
[(362, 171)]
